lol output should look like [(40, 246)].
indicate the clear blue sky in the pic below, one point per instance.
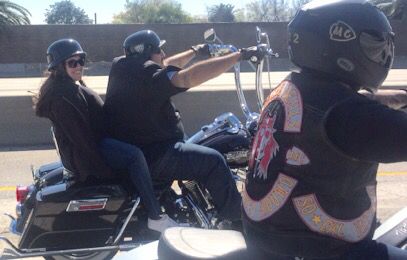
[(105, 9)]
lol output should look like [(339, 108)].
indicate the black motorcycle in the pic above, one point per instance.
[(57, 218)]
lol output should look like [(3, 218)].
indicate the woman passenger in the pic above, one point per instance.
[(77, 117)]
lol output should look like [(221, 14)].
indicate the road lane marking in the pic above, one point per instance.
[(7, 188), (391, 173), (380, 174)]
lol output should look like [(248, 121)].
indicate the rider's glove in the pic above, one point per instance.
[(253, 54), (201, 50)]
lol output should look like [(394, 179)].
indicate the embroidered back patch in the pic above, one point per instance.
[(295, 156), (258, 210), (354, 230)]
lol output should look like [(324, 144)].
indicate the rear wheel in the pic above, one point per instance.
[(104, 255)]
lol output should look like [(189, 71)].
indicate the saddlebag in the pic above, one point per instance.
[(64, 217)]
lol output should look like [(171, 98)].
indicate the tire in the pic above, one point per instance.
[(104, 255)]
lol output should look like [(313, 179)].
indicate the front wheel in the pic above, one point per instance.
[(103, 255)]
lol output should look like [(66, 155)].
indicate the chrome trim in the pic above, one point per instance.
[(259, 66), (51, 190), (199, 214), (126, 222), (44, 169), (50, 166), (259, 85), (225, 122), (74, 205), (389, 224), (54, 139), (9, 215), (240, 93), (38, 252)]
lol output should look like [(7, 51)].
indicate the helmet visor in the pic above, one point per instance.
[(157, 50), (378, 48), (162, 42)]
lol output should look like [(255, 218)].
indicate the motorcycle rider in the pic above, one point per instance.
[(76, 113), (139, 111), (311, 186)]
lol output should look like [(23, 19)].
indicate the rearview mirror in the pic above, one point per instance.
[(210, 35), (258, 34)]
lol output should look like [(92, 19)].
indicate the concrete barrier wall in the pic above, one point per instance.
[(27, 44), (20, 127)]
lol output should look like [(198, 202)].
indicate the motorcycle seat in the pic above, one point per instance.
[(183, 243)]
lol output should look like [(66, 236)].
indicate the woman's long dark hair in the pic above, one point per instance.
[(55, 77)]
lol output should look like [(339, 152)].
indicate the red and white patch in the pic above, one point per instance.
[(265, 147)]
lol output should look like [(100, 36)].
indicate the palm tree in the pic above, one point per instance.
[(222, 13), (13, 14)]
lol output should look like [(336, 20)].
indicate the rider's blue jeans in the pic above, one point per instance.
[(122, 156), (185, 161)]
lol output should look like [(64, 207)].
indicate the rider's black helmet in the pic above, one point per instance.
[(348, 40), (142, 43), (61, 50)]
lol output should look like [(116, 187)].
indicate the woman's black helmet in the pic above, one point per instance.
[(61, 50), (349, 40), (142, 43)]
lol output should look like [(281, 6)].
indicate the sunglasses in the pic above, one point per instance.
[(74, 63)]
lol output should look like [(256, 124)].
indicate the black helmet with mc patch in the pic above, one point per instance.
[(348, 40)]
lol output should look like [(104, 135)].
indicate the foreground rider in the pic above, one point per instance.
[(139, 111), (76, 113), (311, 190)]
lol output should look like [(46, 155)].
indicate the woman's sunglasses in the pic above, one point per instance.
[(74, 63)]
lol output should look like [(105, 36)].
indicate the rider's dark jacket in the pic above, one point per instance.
[(307, 194), (77, 118), (138, 106)]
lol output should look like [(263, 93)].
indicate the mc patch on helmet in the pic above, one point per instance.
[(342, 32)]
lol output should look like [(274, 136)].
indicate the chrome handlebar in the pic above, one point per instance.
[(251, 117)]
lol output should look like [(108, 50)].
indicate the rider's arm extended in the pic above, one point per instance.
[(367, 130), (204, 70), (394, 98), (179, 60)]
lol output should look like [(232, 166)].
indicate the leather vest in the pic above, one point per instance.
[(305, 197)]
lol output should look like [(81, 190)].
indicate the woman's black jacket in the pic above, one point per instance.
[(77, 116)]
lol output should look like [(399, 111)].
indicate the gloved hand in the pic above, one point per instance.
[(253, 54), (201, 50)]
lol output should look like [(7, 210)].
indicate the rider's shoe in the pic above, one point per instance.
[(161, 224)]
